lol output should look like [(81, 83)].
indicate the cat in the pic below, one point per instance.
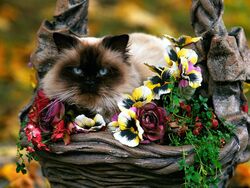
[(93, 73)]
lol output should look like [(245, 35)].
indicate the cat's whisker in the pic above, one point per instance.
[(60, 97), (108, 100)]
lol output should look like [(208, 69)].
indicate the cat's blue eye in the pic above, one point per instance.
[(103, 72), (77, 71)]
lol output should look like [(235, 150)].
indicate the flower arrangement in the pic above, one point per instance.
[(164, 110), (145, 113), (52, 120)]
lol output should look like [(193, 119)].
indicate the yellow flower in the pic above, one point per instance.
[(183, 40), (139, 97), (161, 83), (127, 128), (82, 121), (85, 124), (188, 58), (193, 76), (188, 55)]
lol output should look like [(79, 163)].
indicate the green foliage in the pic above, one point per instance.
[(22, 156), (206, 167), (206, 137)]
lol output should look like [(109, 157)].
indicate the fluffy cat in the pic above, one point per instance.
[(93, 73)]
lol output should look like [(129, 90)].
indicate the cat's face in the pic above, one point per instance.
[(90, 73)]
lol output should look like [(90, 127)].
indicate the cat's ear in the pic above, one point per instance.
[(64, 41), (117, 43)]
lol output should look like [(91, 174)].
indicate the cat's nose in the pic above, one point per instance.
[(89, 82)]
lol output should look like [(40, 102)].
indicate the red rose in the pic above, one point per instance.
[(152, 120)]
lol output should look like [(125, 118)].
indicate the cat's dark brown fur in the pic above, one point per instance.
[(93, 73)]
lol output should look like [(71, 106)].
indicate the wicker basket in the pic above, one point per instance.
[(98, 160)]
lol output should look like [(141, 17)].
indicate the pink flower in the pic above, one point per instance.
[(190, 73), (152, 120), (115, 117), (183, 83), (33, 134), (28, 131)]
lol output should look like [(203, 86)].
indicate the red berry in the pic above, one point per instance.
[(244, 108), (182, 105), (215, 123), (196, 131), (222, 142), (197, 118), (198, 124), (188, 108)]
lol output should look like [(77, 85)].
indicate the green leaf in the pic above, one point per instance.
[(176, 110), (208, 124), (182, 164), (176, 100), (209, 115), (205, 106), (196, 178), (24, 171), (203, 99), (18, 168)]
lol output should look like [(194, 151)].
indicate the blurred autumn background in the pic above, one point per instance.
[(19, 21)]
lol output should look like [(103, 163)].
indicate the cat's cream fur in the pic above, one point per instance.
[(144, 48)]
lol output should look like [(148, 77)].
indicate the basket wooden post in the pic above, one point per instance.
[(98, 160)]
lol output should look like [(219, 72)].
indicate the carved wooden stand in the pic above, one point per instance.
[(98, 160)]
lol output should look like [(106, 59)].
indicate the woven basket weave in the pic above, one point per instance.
[(98, 160)]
